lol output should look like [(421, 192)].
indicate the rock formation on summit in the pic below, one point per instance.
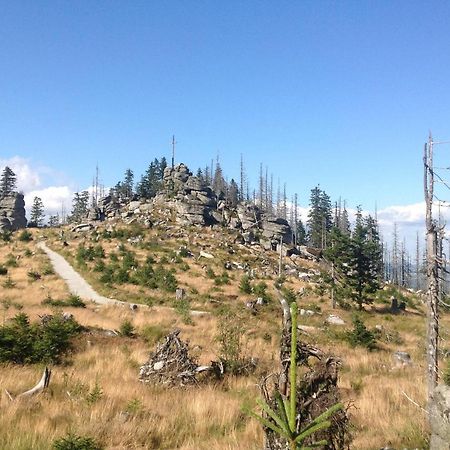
[(12, 212), (188, 200)]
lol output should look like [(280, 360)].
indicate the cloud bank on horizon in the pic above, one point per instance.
[(42, 182)]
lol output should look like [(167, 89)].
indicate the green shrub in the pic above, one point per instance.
[(289, 294), (3, 270), (99, 266), (129, 261), (25, 236), (107, 276), (11, 261), (360, 335), (134, 407), (33, 275), (8, 283), (22, 342), (230, 332), (165, 280), (74, 442), (90, 253), (183, 308), (5, 236), (184, 267), (95, 394), (244, 285), (184, 252), (126, 328), (260, 290), (222, 279), (73, 300), (48, 270)]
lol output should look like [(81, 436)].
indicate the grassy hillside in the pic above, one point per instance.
[(96, 391)]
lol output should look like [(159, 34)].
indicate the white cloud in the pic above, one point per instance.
[(54, 199), (40, 181), (27, 178)]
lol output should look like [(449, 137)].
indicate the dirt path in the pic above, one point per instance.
[(79, 286), (76, 283)]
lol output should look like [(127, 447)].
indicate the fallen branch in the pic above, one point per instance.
[(414, 403), (40, 386)]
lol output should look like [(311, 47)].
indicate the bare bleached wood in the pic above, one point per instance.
[(40, 386), (432, 272)]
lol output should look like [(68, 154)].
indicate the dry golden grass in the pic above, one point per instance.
[(131, 415)]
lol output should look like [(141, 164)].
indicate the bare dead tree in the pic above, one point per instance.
[(432, 272)]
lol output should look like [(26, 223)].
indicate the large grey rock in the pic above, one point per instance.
[(440, 419), (276, 228), (249, 215), (402, 358), (332, 319), (12, 212), (195, 203)]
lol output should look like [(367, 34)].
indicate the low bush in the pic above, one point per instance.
[(3, 270), (33, 275), (48, 270), (127, 328), (73, 301), (360, 335), (89, 253), (245, 285), (24, 342), (75, 442), (11, 261), (5, 236), (25, 236), (8, 283)]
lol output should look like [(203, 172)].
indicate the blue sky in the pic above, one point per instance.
[(340, 93)]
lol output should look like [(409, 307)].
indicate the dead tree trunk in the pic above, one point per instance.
[(40, 386), (432, 273)]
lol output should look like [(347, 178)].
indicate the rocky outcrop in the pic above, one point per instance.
[(440, 418), (248, 215), (195, 202), (274, 230), (12, 212), (188, 200)]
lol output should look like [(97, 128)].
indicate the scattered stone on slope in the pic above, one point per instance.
[(402, 358), (332, 319)]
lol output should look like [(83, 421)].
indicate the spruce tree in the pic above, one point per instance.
[(319, 218), (218, 183), (356, 260), (300, 233), (53, 221), (80, 204), (127, 185), (233, 194), (7, 182), (37, 212)]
